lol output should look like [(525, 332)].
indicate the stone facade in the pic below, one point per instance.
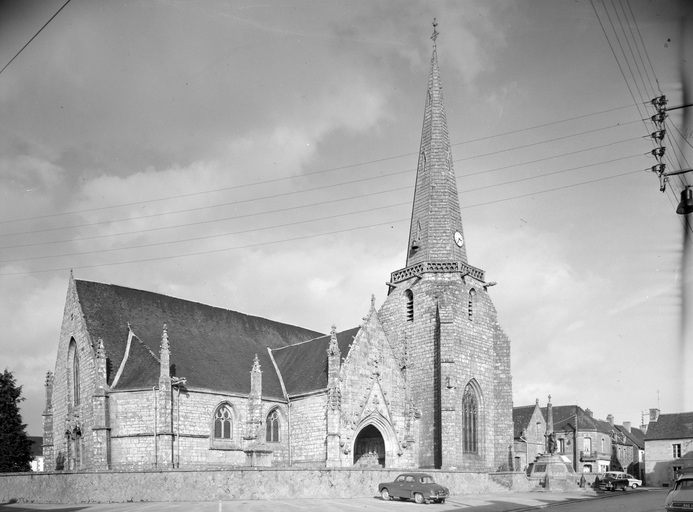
[(424, 382), (668, 447), (530, 435)]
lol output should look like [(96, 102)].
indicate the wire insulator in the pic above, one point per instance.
[(658, 135), (660, 102), (658, 152), (659, 117)]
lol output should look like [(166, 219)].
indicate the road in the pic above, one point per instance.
[(632, 501)]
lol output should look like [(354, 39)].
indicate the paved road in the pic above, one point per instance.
[(632, 501)]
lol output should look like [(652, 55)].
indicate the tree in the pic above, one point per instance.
[(15, 446)]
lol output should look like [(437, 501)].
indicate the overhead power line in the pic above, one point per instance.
[(305, 237), (37, 33), (332, 169), (280, 210), (324, 187)]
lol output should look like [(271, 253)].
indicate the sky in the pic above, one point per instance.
[(261, 157)]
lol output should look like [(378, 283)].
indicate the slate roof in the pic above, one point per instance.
[(671, 426), (635, 436), (564, 415), (303, 366), (213, 348), (521, 418)]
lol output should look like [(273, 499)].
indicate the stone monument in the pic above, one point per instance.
[(553, 471)]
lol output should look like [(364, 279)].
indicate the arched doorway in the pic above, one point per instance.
[(369, 447)]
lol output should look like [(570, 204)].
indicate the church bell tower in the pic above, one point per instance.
[(441, 322)]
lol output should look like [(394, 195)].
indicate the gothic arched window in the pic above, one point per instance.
[(75, 378), (272, 434), (470, 425), (72, 372), (223, 422)]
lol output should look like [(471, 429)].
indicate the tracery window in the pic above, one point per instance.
[(470, 426), (272, 434), (223, 422)]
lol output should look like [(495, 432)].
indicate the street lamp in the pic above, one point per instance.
[(686, 205)]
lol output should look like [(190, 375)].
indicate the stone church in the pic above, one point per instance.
[(144, 381)]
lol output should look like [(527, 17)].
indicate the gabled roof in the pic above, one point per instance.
[(635, 436), (213, 348), (522, 415), (638, 437), (671, 426), (564, 416), (141, 368), (303, 366)]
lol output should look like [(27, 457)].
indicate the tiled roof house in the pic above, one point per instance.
[(668, 446)]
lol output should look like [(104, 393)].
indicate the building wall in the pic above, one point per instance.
[(191, 418), (74, 451), (375, 392), (239, 484), (308, 432), (535, 440), (599, 457), (660, 463), (446, 349)]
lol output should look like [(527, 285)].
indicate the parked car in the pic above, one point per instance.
[(633, 482), (613, 480), (680, 497), (417, 486)]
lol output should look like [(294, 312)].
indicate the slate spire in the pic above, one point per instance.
[(436, 232)]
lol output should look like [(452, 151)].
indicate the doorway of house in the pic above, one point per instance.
[(369, 448)]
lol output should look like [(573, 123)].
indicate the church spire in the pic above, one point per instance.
[(436, 232)]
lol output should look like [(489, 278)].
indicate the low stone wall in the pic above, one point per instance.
[(240, 484)]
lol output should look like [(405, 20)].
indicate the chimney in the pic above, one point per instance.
[(588, 412), (610, 419), (626, 425), (654, 414)]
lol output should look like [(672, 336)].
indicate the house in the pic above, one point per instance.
[(592, 445), (529, 435), (668, 447), (636, 439), (143, 380)]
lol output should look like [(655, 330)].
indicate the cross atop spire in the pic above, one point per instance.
[(435, 32)]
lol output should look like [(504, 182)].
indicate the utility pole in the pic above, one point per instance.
[(658, 120)]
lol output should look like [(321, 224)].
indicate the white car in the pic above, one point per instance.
[(633, 482), (680, 498)]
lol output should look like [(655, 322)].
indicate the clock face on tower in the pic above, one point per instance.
[(458, 239)]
